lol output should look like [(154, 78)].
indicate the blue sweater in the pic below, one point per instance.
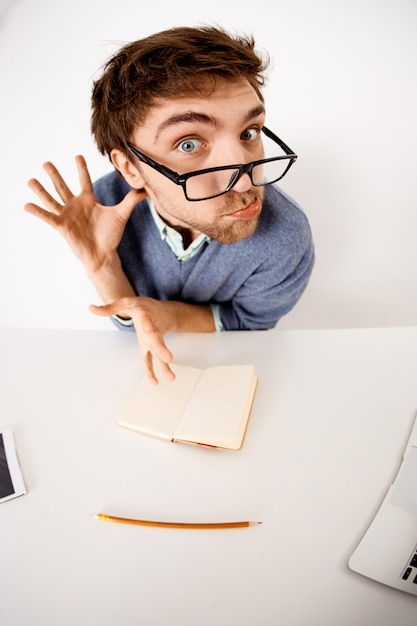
[(255, 281)]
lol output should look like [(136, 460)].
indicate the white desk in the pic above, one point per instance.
[(332, 414)]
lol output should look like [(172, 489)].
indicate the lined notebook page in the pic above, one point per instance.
[(156, 409), (215, 411)]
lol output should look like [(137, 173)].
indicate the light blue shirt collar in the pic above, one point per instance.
[(174, 239)]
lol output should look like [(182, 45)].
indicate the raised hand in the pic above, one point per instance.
[(93, 231)]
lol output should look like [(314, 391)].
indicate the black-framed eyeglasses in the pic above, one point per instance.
[(215, 181)]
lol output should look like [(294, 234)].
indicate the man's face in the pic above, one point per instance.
[(194, 133)]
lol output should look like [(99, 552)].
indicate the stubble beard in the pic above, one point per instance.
[(229, 230), (233, 231)]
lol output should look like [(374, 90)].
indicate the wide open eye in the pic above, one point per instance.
[(251, 134), (189, 145)]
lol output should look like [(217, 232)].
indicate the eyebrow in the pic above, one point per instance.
[(203, 118)]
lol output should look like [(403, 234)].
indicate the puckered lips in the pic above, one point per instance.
[(249, 212)]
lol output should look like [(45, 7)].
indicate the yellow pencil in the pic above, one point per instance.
[(139, 522)]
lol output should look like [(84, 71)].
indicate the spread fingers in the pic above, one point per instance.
[(60, 185), (44, 196)]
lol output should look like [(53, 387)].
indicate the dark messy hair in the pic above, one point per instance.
[(176, 62)]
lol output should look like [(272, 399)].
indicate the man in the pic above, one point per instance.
[(187, 234)]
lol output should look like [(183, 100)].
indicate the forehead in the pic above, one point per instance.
[(228, 105)]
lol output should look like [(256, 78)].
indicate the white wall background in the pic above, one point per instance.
[(342, 93)]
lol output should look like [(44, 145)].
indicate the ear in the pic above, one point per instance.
[(127, 169)]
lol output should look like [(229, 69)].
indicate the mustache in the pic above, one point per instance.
[(236, 200)]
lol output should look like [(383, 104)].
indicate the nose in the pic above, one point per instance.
[(243, 184)]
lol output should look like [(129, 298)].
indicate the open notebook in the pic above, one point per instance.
[(209, 407), (388, 551)]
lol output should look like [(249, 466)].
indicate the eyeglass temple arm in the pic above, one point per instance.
[(279, 141), (174, 176)]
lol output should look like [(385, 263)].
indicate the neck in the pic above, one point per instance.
[(187, 233)]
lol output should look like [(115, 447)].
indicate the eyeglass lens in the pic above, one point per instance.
[(215, 183)]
